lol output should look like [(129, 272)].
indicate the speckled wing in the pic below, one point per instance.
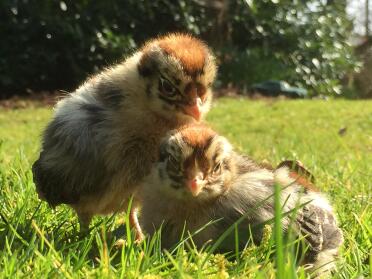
[(320, 230)]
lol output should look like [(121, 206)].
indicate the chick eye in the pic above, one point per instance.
[(167, 88), (217, 168), (172, 160)]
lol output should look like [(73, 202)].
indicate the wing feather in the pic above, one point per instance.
[(70, 164)]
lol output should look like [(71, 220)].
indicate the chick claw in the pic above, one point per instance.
[(133, 220)]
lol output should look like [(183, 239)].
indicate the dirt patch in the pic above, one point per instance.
[(50, 98), (33, 99)]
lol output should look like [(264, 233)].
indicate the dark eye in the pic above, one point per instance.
[(172, 160), (167, 88), (217, 168)]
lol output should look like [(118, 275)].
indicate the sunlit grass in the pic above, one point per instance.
[(36, 241)]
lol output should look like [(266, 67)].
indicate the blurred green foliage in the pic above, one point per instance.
[(49, 44)]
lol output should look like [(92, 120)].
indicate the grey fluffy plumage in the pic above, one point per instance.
[(242, 186)]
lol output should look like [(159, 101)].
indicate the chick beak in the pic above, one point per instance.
[(194, 187), (194, 110)]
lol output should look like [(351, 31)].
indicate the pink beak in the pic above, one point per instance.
[(194, 187), (194, 110)]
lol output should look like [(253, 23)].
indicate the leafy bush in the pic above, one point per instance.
[(303, 42), (51, 45), (55, 44), (242, 68)]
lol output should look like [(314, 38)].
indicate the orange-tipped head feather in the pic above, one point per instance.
[(191, 52)]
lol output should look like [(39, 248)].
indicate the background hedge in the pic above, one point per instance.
[(47, 45)]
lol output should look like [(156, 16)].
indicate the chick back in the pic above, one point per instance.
[(70, 164), (93, 154)]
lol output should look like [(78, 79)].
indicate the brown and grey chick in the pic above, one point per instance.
[(199, 178), (105, 136)]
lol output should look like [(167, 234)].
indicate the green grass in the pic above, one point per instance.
[(36, 241)]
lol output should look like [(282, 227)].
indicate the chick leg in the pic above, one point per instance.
[(84, 220), (133, 221)]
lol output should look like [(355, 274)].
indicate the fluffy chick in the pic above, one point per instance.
[(199, 178), (104, 137)]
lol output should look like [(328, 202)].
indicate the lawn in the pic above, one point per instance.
[(332, 138)]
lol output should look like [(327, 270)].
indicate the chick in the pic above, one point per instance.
[(199, 179), (105, 136)]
